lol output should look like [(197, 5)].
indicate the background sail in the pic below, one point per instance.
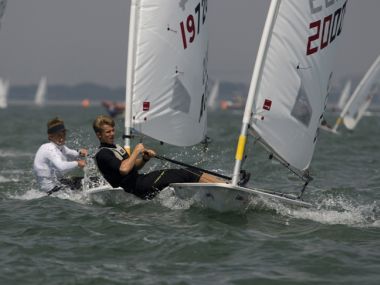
[(344, 95), (296, 77), (213, 95), (39, 98), (3, 5), (4, 88), (170, 70), (363, 95)]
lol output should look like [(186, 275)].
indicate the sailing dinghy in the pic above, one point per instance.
[(166, 84), (343, 99), (212, 102), (361, 99), (286, 100), (4, 89), (3, 5), (40, 97), (166, 92)]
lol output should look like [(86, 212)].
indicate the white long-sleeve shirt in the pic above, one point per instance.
[(51, 163)]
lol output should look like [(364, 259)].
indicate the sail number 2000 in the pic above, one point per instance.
[(326, 30), (191, 27)]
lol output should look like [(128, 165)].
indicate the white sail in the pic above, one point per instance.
[(40, 96), (292, 76), (344, 95), (4, 88), (3, 5), (167, 70), (362, 97), (211, 103)]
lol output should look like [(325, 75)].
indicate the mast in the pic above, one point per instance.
[(130, 74), (261, 55), (269, 24)]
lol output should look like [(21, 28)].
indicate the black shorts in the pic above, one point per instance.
[(148, 185)]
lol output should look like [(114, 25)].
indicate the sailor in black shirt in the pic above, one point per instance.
[(121, 169)]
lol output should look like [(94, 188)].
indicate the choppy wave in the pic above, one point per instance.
[(337, 211), (4, 179), (14, 154)]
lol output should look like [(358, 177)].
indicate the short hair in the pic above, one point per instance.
[(54, 125), (100, 121)]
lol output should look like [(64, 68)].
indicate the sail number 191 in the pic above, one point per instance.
[(191, 27)]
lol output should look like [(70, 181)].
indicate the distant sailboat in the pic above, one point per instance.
[(361, 99), (344, 96), (237, 103), (40, 97), (4, 88), (3, 5), (114, 109), (214, 93), (4, 85)]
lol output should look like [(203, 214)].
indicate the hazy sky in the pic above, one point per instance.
[(72, 41)]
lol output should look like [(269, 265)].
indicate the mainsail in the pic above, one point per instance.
[(39, 98), (166, 94), (291, 79), (368, 87)]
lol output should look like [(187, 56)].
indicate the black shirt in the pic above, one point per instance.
[(109, 166)]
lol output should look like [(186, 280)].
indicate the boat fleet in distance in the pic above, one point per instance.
[(352, 108), (39, 97)]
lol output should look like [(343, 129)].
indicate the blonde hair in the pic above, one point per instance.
[(100, 121)]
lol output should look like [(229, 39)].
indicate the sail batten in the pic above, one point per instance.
[(291, 89), (167, 70)]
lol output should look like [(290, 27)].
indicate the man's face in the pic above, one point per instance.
[(107, 134), (58, 138)]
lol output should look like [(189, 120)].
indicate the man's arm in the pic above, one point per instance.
[(133, 161), (63, 166)]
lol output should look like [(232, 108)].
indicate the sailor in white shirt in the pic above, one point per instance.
[(53, 159)]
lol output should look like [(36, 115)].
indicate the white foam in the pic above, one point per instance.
[(28, 195), (337, 211), (168, 199), (7, 179), (12, 153)]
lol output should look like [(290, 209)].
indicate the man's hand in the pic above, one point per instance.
[(81, 163), (139, 148), (83, 152), (148, 154)]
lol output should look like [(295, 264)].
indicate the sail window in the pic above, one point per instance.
[(302, 110), (181, 98)]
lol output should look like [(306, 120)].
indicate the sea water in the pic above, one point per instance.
[(68, 238)]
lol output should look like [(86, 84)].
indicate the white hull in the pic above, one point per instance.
[(226, 197), (329, 130), (107, 195)]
